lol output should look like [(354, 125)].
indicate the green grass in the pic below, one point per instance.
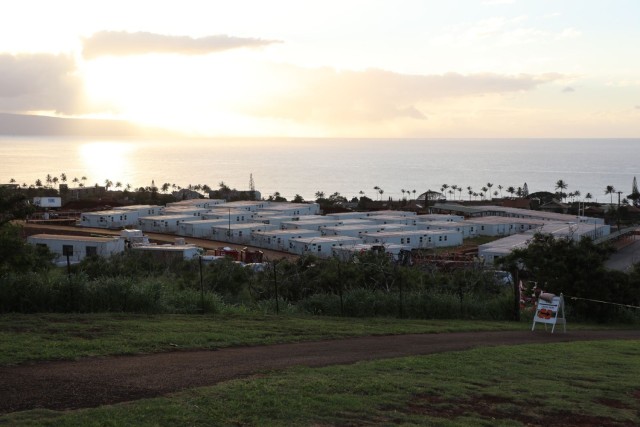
[(579, 383), (37, 337)]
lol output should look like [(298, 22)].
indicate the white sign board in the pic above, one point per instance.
[(550, 311)]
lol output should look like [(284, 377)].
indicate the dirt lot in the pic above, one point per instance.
[(98, 381)]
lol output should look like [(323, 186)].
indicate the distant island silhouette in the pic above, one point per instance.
[(24, 124)]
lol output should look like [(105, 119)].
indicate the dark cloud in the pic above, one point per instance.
[(568, 89), (30, 82), (122, 43), (373, 95)]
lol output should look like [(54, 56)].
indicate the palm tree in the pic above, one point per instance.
[(470, 193), (63, 177), (561, 185), (377, 190), (319, 195), (403, 191), (414, 194), (489, 185), (500, 187), (511, 191), (454, 188), (107, 183), (484, 191), (610, 190)]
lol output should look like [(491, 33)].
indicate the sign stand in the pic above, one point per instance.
[(550, 310)]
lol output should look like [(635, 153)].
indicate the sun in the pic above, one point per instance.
[(197, 95), (107, 160)]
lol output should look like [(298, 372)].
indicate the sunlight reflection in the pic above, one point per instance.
[(107, 160)]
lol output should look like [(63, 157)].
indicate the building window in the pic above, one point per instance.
[(319, 248), (408, 240), (67, 250), (92, 251)]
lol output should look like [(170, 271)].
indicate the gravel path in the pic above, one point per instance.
[(98, 381)]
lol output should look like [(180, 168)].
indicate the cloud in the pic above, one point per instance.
[(569, 33), (495, 2), (500, 31), (638, 107), (328, 96), (121, 43), (568, 89), (31, 82)]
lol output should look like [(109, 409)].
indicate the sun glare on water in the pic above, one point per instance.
[(107, 160)]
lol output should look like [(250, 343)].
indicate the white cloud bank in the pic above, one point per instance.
[(32, 82), (121, 43)]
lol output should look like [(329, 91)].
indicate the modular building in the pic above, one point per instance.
[(496, 226), (170, 252), (393, 219), (467, 229), (246, 205), (111, 219), (78, 247), (348, 253), (162, 223), (230, 215), (320, 246), (143, 210), (202, 228), (292, 209), (355, 230), (417, 239), (316, 222), (389, 212), (347, 215), (277, 220), (239, 233), (497, 249), (185, 210), (197, 203), (47, 202), (440, 218), (279, 239)]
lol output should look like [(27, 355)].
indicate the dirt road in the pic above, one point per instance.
[(98, 381)]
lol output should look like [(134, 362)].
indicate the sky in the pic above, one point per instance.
[(349, 68)]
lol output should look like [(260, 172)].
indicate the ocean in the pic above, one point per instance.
[(305, 166)]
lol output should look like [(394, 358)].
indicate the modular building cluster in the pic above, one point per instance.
[(299, 228)]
